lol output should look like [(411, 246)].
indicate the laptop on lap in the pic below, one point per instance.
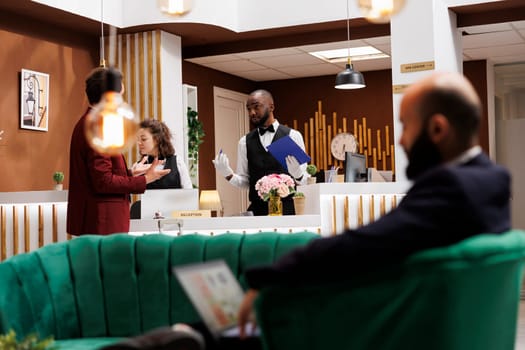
[(216, 295)]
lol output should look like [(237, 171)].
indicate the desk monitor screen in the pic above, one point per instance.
[(355, 167)]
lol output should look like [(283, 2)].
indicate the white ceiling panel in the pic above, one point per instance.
[(288, 60), (491, 39), (493, 52), (499, 43), (311, 70), (269, 53), (236, 66), (265, 74)]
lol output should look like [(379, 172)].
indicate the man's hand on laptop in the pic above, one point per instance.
[(245, 315)]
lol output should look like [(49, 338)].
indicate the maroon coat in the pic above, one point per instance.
[(99, 188)]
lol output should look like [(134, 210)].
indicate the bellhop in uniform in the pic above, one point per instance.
[(254, 161)]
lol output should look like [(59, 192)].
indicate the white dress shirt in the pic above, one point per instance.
[(241, 178)]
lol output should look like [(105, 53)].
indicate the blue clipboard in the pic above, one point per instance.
[(284, 147)]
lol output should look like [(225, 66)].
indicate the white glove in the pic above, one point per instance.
[(222, 164), (294, 168)]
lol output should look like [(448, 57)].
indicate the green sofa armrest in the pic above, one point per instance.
[(465, 296)]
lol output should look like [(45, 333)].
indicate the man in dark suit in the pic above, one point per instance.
[(457, 193), (254, 161), (99, 185)]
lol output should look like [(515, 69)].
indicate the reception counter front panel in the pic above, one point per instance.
[(29, 220)]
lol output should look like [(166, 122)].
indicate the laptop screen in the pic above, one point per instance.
[(214, 292)]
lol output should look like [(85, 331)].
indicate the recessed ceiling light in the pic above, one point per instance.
[(356, 54)]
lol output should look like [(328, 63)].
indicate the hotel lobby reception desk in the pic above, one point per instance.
[(29, 220)]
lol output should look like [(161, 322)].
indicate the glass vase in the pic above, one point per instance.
[(275, 206)]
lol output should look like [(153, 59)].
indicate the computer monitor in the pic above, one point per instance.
[(355, 167)]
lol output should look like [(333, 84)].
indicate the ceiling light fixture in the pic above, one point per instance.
[(349, 78), (380, 11), (111, 125), (175, 7)]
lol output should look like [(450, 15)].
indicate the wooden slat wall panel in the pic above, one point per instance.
[(15, 230), (3, 234), (27, 220)]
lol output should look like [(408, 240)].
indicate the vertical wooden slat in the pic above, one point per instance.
[(3, 235), (312, 144), (355, 129), (382, 209), (322, 146), (360, 212), (371, 209), (379, 153), (141, 88), (158, 77), (387, 140), (360, 132), (384, 160), (55, 223), (15, 230), (132, 70), (374, 158), (334, 216), (392, 160), (346, 214), (365, 144), (27, 229), (150, 91), (40, 226), (329, 154), (317, 150), (369, 136), (394, 202)]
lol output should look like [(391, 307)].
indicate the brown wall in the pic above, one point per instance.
[(205, 79), (29, 158)]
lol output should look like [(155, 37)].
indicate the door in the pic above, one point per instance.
[(231, 123)]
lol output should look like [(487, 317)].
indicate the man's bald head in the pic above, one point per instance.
[(453, 96)]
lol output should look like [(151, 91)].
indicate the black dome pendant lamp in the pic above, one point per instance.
[(349, 78)]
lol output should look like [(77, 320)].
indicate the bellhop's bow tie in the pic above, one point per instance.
[(263, 130)]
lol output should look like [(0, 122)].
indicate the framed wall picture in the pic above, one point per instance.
[(34, 104)]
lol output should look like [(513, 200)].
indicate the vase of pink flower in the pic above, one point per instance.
[(272, 188)]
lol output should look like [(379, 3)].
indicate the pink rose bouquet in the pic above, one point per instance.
[(280, 185)]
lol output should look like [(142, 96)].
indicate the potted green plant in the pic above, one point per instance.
[(298, 202), (195, 139), (58, 177), (311, 169), (31, 342)]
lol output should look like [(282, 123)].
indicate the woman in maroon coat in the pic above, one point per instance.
[(99, 185)]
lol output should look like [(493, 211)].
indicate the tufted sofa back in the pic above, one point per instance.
[(119, 285)]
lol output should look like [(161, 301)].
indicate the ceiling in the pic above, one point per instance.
[(494, 31), (500, 43)]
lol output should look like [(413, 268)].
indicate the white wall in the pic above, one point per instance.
[(509, 152)]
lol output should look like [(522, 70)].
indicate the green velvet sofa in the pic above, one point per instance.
[(95, 290), (461, 297)]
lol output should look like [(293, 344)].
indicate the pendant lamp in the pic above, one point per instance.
[(175, 7), (380, 11), (349, 78), (111, 125)]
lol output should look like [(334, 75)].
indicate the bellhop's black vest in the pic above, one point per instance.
[(171, 180), (261, 163)]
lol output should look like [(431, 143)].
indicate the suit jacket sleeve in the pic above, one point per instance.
[(110, 175), (436, 211)]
